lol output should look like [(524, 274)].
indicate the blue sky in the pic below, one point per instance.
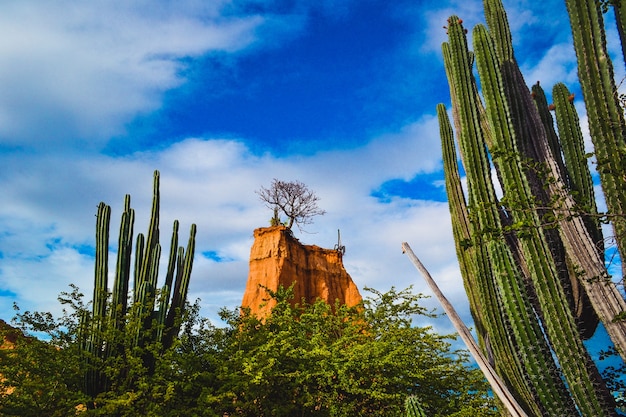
[(222, 97)]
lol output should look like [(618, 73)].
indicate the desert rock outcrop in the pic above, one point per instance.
[(277, 259)]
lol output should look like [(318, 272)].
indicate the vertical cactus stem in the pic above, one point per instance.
[(139, 256), (93, 378), (458, 210), (478, 279), (188, 265), (119, 299), (605, 113), (152, 238), (541, 103), (167, 287), (526, 131), (101, 262), (499, 27), (413, 407), (573, 145), (181, 287)]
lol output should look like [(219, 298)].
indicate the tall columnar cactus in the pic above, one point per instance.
[(619, 6), (515, 303), (413, 407), (104, 331), (515, 266), (573, 147), (480, 283), (96, 324), (573, 174), (606, 116)]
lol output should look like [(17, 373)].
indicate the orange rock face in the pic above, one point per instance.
[(278, 259)]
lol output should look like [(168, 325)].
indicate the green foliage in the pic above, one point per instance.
[(305, 360), (43, 378), (302, 360)]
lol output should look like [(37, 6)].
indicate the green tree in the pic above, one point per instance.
[(43, 378), (301, 360), (306, 360)]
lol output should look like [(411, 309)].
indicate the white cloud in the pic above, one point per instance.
[(211, 183), (558, 64), (434, 19), (74, 70)]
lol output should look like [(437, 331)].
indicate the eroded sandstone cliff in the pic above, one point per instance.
[(278, 259)]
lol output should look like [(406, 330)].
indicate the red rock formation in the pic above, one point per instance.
[(278, 259)]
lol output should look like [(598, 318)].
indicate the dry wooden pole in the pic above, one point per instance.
[(497, 384)]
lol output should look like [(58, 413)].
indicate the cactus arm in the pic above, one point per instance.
[(167, 287), (119, 299), (181, 286), (567, 176), (102, 262), (413, 407), (139, 256), (572, 142), (93, 378), (152, 238), (541, 103), (605, 114), (478, 280)]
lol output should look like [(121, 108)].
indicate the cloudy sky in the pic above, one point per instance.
[(222, 97)]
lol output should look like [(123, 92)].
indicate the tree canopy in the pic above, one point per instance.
[(303, 359)]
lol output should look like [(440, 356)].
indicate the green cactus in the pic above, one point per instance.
[(543, 109), (102, 331), (573, 146), (532, 348), (605, 113), (512, 263), (478, 277), (619, 7), (97, 322), (413, 407), (576, 178), (507, 100)]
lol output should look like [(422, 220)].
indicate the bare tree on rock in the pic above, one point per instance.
[(292, 198)]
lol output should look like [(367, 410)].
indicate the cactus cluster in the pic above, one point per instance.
[(105, 331), (531, 262)]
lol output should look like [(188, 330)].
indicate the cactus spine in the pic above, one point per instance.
[(573, 146), (104, 330), (479, 281), (532, 267), (606, 117), (532, 349), (413, 408), (97, 322)]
